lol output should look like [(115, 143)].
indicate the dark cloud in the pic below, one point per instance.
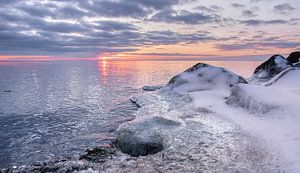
[(25, 34), (260, 41), (109, 8), (261, 45), (44, 27), (185, 17), (209, 9), (264, 22), (83, 26), (113, 25), (237, 5), (248, 13), (257, 1), (156, 4), (283, 9)]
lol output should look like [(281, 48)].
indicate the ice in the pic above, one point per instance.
[(262, 113), (190, 119), (193, 138)]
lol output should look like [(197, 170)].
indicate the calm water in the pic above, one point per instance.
[(60, 108)]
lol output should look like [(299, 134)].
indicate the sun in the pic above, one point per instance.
[(103, 58)]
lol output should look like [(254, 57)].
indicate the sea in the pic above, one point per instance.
[(53, 109)]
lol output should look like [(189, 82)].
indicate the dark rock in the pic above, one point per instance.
[(271, 67), (132, 100), (151, 88), (131, 144), (294, 57), (202, 77), (140, 138), (7, 91), (98, 154), (6, 171)]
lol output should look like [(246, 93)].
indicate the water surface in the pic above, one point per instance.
[(51, 109)]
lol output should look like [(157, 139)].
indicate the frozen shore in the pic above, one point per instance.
[(206, 119), (241, 125)]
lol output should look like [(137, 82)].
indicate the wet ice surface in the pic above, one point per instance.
[(203, 142)]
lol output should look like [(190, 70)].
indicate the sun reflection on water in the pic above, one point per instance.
[(103, 69)]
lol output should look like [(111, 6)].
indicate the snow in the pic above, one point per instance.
[(268, 112), (203, 77), (219, 124), (281, 62), (193, 137)]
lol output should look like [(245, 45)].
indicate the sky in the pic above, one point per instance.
[(145, 29)]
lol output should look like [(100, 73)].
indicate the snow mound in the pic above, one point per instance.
[(288, 78), (282, 91), (203, 77), (271, 67), (252, 98)]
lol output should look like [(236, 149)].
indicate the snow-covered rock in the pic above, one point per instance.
[(271, 67), (203, 77), (294, 58)]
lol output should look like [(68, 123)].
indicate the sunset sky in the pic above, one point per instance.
[(145, 29)]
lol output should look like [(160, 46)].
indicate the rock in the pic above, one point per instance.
[(98, 154), (6, 170), (140, 138), (7, 91), (202, 77), (294, 58), (151, 88), (271, 67), (131, 144)]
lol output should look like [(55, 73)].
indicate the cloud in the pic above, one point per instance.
[(262, 45), (255, 22), (248, 13), (47, 27), (257, 1), (113, 26), (185, 17), (109, 8), (283, 9), (209, 9), (237, 5), (260, 41)]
